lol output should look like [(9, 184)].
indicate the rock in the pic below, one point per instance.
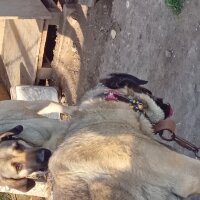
[(127, 4), (113, 34), (169, 54)]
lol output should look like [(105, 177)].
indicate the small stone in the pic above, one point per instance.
[(113, 34), (101, 29), (127, 4), (168, 54)]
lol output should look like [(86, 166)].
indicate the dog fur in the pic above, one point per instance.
[(109, 153)]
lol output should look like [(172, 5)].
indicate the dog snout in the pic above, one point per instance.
[(43, 156)]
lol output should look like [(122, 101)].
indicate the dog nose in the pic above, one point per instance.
[(43, 155)]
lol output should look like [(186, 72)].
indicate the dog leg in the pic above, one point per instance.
[(179, 173), (188, 181)]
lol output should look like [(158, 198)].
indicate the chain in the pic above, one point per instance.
[(171, 136)]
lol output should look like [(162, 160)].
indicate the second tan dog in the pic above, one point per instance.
[(109, 152)]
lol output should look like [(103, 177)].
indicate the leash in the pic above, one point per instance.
[(164, 128)]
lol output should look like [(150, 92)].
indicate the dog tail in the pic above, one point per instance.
[(121, 80)]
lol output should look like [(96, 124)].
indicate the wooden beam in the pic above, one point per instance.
[(54, 11), (42, 46), (2, 27), (20, 51), (4, 75), (23, 9)]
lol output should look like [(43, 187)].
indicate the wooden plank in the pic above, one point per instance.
[(23, 9), (2, 27), (20, 51), (4, 75), (42, 45), (54, 11), (50, 4), (55, 20), (4, 95)]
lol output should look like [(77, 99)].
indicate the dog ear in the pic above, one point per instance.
[(167, 109), (9, 134), (120, 80), (23, 185)]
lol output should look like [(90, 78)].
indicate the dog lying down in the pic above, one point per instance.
[(25, 149), (109, 152), (19, 160), (105, 151)]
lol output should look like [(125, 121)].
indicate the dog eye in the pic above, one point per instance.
[(17, 146), (18, 166)]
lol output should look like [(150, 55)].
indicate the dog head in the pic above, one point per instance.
[(155, 108), (18, 160)]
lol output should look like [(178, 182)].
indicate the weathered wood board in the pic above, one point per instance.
[(2, 26), (20, 50), (23, 9)]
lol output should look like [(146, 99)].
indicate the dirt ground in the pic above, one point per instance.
[(151, 43), (143, 38), (2, 22)]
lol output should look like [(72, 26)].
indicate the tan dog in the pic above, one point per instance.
[(22, 149), (109, 152), (18, 160)]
